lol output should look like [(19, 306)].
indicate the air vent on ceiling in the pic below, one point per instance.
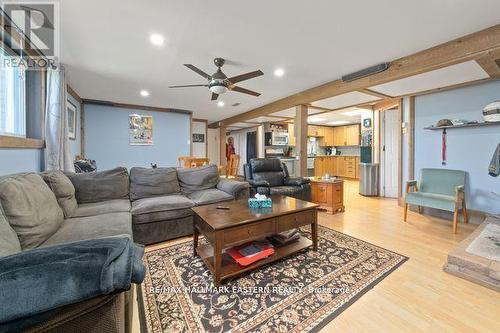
[(365, 72), (236, 104)]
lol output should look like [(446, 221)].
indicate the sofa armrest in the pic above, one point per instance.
[(296, 181), (236, 188), (81, 270), (259, 183), (410, 184)]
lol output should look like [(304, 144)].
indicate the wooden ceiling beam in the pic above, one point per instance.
[(490, 62), (374, 93), (463, 49)]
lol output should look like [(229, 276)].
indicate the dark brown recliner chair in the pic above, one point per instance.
[(269, 176)]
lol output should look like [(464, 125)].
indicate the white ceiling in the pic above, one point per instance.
[(105, 45), (443, 77), (349, 99), (339, 115), (265, 119)]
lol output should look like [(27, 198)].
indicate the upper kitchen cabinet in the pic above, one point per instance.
[(346, 135), (339, 137), (313, 130), (326, 139), (352, 135)]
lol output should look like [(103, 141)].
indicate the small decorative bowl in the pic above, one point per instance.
[(259, 203)]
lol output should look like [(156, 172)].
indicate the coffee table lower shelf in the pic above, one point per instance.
[(231, 268)]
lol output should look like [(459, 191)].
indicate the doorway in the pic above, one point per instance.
[(389, 153)]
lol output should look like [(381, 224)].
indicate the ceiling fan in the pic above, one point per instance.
[(219, 83)]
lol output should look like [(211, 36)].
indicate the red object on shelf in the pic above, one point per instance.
[(234, 252)]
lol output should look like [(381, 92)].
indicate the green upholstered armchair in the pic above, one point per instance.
[(440, 189)]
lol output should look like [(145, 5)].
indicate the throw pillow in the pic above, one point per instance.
[(31, 208), (149, 182), (9, 242), (198, 179), (100, 186), (64, 190)]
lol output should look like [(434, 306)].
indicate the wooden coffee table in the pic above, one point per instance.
[(240, 224)]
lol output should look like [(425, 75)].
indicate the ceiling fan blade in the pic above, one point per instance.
[(246, 76), (190, 85), (245, 91), (215, 96), (197, 70)]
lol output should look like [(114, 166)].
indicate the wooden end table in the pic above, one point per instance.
[(329, 194), (240, 224)]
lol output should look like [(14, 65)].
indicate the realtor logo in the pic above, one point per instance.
[(37, 22)]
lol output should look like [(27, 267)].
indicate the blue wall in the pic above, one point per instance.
[(468, 149), (107, 137), (20, 160)]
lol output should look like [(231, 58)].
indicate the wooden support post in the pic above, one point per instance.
[(222, 143), (300, 128)]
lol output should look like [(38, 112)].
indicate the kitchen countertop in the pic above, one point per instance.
[(343, 155)]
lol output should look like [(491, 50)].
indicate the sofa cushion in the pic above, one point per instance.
[(149, 182), (9, 242), (161, 216), (100, 186), (64, 190), (31, 208), (103, 207), (197, 179), (209, 196), (438, 201), (158, 204), (91, 227)]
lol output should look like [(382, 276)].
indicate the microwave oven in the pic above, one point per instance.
[(276, 139)]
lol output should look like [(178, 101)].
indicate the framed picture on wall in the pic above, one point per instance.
[(198, 138), (140, 130), (71, 121)]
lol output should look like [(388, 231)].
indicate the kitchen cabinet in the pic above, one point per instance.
[(346, 135), (319, 166), (326, 139), (291, 135), (313, 130), (352, 135), (339, 136), (340, 166)]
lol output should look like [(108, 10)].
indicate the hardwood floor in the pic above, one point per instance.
[(418, 296)]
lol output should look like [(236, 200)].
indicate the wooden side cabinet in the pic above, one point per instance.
[(329, 194)]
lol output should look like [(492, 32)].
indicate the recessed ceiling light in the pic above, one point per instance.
[(279, 72), (156, 39), (338, 122), (220, 104), (144, 93), (352, 113), (316, 119)]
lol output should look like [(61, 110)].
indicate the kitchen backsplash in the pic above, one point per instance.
[(350, 150)]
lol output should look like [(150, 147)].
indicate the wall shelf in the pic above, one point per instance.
[(434, 128)]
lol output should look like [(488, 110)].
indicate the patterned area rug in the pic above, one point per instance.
[(301, 293)]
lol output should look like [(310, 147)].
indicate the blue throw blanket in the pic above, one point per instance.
[(39, 280)]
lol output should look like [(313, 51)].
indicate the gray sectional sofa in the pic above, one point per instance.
[(162, 199), (148, 206)]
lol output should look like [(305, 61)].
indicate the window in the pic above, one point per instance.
[(12, 99)]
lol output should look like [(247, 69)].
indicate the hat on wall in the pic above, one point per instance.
[(444, 122)]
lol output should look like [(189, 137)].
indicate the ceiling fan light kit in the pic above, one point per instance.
[(219, 83)]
